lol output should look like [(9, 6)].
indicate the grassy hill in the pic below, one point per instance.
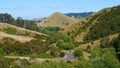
[(57, 20), (17, 33)]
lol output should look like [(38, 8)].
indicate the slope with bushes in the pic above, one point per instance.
[(108, 23), (19, 34), (97, 25)]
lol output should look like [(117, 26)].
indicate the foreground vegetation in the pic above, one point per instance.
[(100, 58)]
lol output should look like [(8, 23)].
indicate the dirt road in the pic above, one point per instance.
[(34, 59)]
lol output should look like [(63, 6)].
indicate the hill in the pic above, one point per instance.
[(84, 14), (106, 23), (98, 25), (17, 33), (58, 20), (37, 20)]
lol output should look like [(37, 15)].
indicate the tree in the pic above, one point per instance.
[(20, 22), (65, 45), (116, 45), (78, 53), (2, 51), (65, 38), (104, 42), (6, 18), (104, 58), (31, 25)]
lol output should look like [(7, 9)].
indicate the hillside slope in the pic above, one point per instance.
[(58, 20), (97, 42), (98, 25), (17, 33), (107, 23), (15, 37)]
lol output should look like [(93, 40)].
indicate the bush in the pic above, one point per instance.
[(62, 54), (7, 63), (105, 57), (78, 53), (2, 51), (116, 45), (104, 43), (63, 45)]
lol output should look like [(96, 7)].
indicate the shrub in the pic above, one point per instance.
[(104, 43), (63, 45), (78, 53)]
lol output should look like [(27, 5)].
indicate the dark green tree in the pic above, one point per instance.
[(32, 25), (20, 22), (116, 45), (78, 53), (6, 18)]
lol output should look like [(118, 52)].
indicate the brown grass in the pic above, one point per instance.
[(15, 37), (20, 37), (21, 30), (58, 20), (96, 42)]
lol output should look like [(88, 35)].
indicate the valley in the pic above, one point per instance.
[(73, 40)]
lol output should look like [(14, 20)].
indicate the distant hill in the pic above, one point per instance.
[(37, 20), (84, 14), (57, 20)]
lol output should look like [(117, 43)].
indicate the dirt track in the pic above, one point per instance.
[(34, 59)]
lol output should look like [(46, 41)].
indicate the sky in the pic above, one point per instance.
[(29, 9)]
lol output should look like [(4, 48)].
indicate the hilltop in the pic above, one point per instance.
[(58, 20)]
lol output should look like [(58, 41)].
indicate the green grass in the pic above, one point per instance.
[(50, 65), (10, 31), (44, 55)]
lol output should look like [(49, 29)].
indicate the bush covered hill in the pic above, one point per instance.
[(107, 23), (84, 14), (58, 20), (97, 25)]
